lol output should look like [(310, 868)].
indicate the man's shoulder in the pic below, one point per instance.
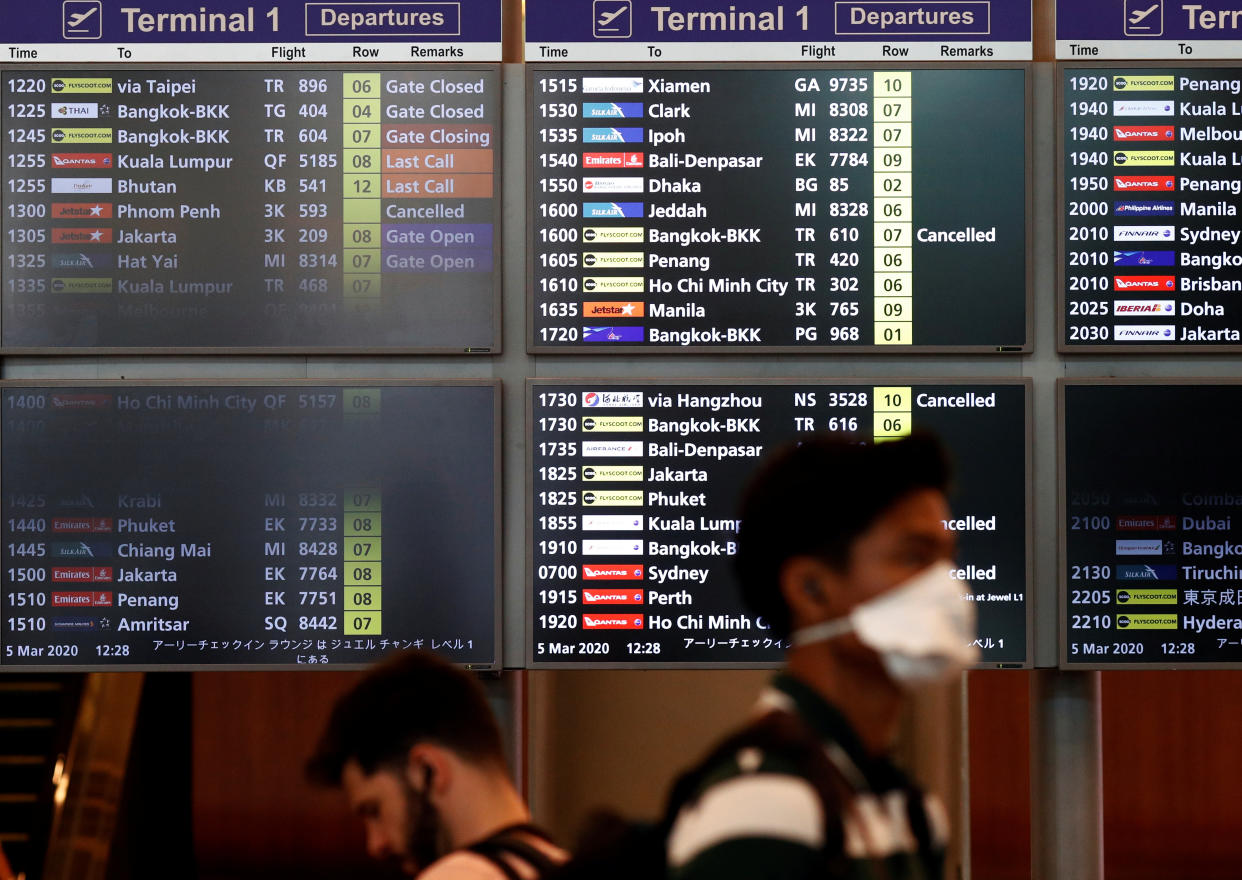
[(462, 865)]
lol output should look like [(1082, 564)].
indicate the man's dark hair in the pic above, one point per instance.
[(410, 698), (815, 498)]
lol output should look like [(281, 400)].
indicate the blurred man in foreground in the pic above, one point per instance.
[(419, 756), (843, 551)]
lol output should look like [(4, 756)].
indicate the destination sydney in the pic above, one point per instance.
[(634, 508), (1153, 183), (226, 208)]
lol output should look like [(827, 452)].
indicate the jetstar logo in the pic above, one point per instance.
[(81, 210), (612, 597), (1143, 282), (85, 235), (95, 573), (612, 621), (612, 572)]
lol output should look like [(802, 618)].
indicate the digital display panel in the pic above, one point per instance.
[(250, 525), (1150, 560), (1151, 185), (751, 208), (283, 208), (634, 489)]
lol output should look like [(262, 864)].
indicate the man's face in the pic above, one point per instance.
[(386, 803), (905, 539)]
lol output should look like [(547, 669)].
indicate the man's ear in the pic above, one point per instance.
[(812, 591), (428, 765)]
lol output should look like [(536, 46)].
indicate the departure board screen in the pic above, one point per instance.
[(751, 208), (634, 492), (1150, 561), (1151, 186), (282, 208), (248, 525)]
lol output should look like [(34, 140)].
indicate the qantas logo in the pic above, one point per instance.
[(612, 597), (1154, 184), (1143, 133), (1143, 282), (612, 621), (612, 572)]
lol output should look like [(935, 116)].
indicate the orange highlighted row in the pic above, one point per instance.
[(461, 161), (437, 186)]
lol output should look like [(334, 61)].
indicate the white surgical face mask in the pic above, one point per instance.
[(923, 629)]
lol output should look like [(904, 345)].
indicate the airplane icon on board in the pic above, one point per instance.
[(613, 19), (83, 19), (1144, 18)]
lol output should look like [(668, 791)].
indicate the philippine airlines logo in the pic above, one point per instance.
[(1143, 282), (1146, 208)]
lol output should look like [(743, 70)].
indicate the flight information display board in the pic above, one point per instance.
[(739, 208), (1151, 186), (1151, 483), (177, 524), (282, 209), (633, 495)]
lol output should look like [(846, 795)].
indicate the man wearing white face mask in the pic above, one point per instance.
[(843, 550)]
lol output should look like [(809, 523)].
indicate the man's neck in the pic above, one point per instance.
[(484, 804), (870, 702)]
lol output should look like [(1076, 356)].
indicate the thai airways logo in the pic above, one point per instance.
[(1152, 208), (1157, 183), (1144, 282), (613, 210), (1144, 233), (612, 398), (613, 334), (1144, 258), (69, 110), (1162, 307), (612, 547), (1143, 133), (1146, 572), (612, 135), (1142, 108), (611, 110)]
